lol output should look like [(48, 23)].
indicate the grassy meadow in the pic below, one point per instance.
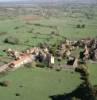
[(31, 34)]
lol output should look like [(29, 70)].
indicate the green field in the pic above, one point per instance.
[(27, 34), (39, 84)]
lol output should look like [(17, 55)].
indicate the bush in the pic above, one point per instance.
[(53, 51), (30, 31), (3, 73), (16, 28), (40, 65), (11, 40), (54, 33), (17, 94), (30, 65), (83, 26), (3, 33), (78, 26), (4, 83)]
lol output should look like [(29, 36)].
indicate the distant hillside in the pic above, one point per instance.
[(61, 1), (50, 2)]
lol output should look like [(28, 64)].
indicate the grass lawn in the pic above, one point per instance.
[(93, 73), (26, 33), (38, 84)]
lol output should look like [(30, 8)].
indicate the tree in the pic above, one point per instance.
[(30, 65), (86, 90), (4, 83), (78, 26), (11, 40), (83, 26)]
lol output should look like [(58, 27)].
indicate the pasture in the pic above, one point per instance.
[(39, 31), (39, 84)]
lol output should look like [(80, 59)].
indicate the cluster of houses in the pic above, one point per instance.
[(87, 49), (64, 50), (33, 54)]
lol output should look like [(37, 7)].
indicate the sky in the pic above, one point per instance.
[(51, 0), (9, 0)]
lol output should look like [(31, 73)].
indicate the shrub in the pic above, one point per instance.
[(40, 65), (53, 51), (58, 69), (11, 40), (17, 94), (78, 26), (37, 33), (4, 83), (3, 33), (83, 26), (3, 73), (30, 65), (37, 24), (30, 31), (16, 28), (54, 33), (43, 45)]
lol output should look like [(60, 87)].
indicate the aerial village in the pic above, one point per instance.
[(48, 50), (86, 48)]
